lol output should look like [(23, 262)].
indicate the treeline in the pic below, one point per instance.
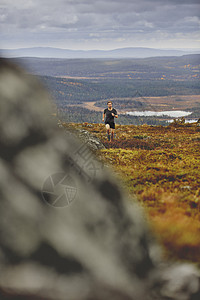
[(196, 111), (139, 104), (70, 91), (81, 115), (148, 68)]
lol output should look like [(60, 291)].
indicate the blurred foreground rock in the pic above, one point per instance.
[(68, 231)]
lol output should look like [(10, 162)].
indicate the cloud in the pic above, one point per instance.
[(88, 19)]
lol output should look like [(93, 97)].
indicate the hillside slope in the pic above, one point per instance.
[(172, 67), (161, 166)]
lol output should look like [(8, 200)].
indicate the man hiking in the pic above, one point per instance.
[(110, 114)]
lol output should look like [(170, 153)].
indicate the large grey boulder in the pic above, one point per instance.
[(68, 231)]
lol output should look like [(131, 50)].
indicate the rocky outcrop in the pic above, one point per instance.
[(92, 142), (68, 231)]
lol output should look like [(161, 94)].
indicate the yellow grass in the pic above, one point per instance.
[(161, 166)]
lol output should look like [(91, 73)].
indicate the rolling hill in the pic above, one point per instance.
[(150, 68), (131, 52)]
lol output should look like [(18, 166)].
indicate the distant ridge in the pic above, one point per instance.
[(131, 52)]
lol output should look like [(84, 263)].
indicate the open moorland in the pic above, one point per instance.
[(160, 165)]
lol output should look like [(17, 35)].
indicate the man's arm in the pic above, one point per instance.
[(115, 114), (103, 117)]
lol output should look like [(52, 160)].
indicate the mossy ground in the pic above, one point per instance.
[(161, 166)]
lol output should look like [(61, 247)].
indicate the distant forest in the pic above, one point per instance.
[(73, 91), (172, 67), (80, 115), (75, 81)]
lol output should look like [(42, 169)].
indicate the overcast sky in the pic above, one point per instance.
[(100, 24)]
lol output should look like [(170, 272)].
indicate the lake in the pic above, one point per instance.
[(170, 113)]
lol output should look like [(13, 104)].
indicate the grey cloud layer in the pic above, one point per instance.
[(98, 17)]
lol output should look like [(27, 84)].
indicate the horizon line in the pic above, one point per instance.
[(96, 49)]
